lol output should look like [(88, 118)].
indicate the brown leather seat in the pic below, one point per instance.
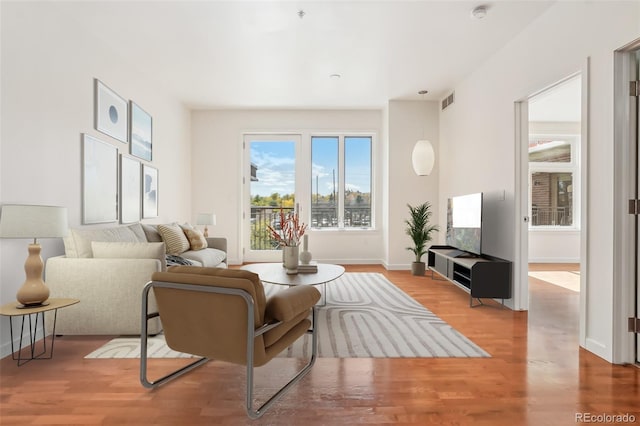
[(223, 314)]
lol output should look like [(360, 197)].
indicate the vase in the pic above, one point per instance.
[(305, 255), (290, 255)]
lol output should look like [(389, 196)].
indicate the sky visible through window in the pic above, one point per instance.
[(275, 161)]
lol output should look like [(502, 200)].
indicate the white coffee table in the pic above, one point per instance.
[(275, 273)]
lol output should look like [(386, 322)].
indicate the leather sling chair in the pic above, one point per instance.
[(223, 314)]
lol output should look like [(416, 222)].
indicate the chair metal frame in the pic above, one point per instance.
[(252, 333)]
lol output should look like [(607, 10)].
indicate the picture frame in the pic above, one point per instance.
[(111, 112), (130, 190), (140, 132), (149, 191), (99, 181)]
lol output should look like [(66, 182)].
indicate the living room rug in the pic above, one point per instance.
[(366, 316)]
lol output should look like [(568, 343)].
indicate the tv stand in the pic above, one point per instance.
[(458, 253), (481, 276)]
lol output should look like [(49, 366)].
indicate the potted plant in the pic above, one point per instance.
[(419, 229)]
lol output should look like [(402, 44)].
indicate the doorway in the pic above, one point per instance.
[(269, 189), (554, 183), (551, 196)]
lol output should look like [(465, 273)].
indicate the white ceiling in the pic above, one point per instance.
[(240, 54)]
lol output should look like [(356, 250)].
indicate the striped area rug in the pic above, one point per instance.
[(366, 316)]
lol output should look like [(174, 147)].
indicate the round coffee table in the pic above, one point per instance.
[(275, 273)]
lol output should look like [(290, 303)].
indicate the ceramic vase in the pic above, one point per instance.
[(305, 256), (291, 254)]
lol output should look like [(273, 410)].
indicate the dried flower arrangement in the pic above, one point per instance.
[(290, 232)]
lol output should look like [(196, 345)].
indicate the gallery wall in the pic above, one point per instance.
[(48, 66), (478, 134)]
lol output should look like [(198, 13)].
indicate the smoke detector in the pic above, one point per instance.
[(479, 12)]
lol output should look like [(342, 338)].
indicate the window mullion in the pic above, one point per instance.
[(341, 181)]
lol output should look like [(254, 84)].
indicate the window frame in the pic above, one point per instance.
[(341, 190), (572, 167)]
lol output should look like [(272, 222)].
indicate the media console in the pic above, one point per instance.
[(481, 276)]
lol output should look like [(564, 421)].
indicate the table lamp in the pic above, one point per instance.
[(27, 221), (206, 219)]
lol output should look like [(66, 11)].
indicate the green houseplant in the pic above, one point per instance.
[(419, 230)]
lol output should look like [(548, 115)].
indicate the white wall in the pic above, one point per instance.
[(218, 165), (47, 102), (409, 121), (477, 132), (554, 246), (221, 131)]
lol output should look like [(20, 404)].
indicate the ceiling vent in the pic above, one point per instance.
[(448, 100)]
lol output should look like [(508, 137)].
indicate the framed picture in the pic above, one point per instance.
[(111, 112), (99, 181), (149, 191), (140, 134), (130, 190)]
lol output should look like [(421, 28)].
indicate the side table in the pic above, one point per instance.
[(14, 309)]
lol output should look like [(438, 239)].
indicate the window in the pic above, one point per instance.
[(553, 181), (341, 182)]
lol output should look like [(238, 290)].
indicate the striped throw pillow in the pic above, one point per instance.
[(174, 238)]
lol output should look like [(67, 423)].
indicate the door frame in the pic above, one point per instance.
[(247, 254), (521, 263), (624, 280)]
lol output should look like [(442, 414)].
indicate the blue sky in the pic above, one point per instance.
[(276, 163)]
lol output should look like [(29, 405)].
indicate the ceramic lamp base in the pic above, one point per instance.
[(33, 291)]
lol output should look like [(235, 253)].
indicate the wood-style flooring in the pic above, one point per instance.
[(537, 375)]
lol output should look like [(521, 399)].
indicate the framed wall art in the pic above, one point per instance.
[(140, 135), (111, 112), (99, 181), (149, 191), (130, 190)]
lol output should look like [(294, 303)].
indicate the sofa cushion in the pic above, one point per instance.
[(209, 257), (197, 241), (151, 232), (77, 243), (174, 239), (120, 250)]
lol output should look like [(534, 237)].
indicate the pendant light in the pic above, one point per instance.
[(423, 156)]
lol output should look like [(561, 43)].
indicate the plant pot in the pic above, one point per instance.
[(417, 268)]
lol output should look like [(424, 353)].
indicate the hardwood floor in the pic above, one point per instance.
[(537, 375)]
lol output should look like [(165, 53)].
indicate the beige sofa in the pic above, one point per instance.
[(106, 268)]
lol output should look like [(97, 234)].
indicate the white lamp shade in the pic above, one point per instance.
[(206, 219), (25, 221), (423, 158)]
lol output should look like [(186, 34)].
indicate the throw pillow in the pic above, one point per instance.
[(123, 250), (174, 238), (196, 239)]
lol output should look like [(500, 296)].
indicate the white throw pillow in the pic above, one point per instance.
[(119, 250)]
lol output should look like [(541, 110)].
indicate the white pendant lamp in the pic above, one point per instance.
[(423, 157)]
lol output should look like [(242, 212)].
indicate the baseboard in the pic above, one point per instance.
[(5, 348), (598, 349)]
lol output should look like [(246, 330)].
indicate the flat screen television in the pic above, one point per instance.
[(464, 223)]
